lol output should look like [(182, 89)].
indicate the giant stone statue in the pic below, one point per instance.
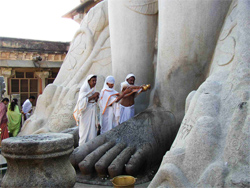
[(212, 145), (201, 90), (89, 53)]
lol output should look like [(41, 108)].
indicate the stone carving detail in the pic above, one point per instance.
[(7, 72), (225, 50), (228, 48), (87, 45), (146, 7), (89, 53), (42, 75), (185, 129), (220, 135)]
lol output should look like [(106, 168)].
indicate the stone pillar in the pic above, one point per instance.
[(6, 73), (42, 76), (39, 161)]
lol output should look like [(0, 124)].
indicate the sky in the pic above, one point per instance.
[(37, 19)]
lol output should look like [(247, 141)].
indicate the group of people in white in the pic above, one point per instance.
[(115, 107)]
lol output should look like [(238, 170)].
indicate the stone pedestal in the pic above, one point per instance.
[(39, 161)]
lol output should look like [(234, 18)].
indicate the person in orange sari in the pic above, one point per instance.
[(3, 119)]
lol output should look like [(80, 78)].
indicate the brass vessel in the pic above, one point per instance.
[(146, 87), (123, 181)]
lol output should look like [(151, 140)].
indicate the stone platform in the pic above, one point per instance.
[(38, 161)]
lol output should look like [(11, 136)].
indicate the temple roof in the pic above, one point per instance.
[(28, 45)]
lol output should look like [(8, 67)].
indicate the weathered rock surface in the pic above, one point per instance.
[(212, 147), (39, 161)]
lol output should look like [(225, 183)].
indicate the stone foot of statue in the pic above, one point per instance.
[(135, 148), (75, 132), (201, 155)]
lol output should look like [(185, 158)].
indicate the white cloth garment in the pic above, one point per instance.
[(110, 118), (26, 107), (87, 124), (125, 83), (109, 109), (126, 112), (85, 113)]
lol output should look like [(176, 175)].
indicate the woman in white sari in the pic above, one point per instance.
[(109, 108), (85, 112)]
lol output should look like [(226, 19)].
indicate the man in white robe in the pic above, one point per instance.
[(27, 107), (85, 112), (127, 109)]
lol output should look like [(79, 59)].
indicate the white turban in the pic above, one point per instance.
[(128, 76), (125, 83)]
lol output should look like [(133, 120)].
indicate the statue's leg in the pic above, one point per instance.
[(132, 36)]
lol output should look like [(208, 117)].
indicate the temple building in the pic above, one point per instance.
[(29, 65)]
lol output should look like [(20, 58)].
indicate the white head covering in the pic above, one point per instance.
[(82, 101), (110, 80), (108, 95), (128, 76), (125, 83), (86, 87)]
